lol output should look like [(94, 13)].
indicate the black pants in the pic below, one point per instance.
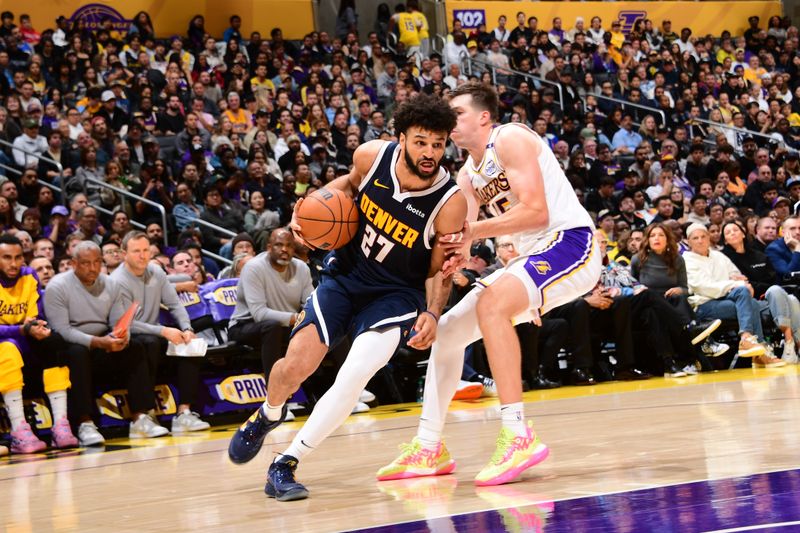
[(664, 323), (614, 324), (188, 368), (137, 366), (576, 314), (271, 338), (540, 345)]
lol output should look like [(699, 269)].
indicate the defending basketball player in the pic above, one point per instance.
[(513, 173), (383, 285)]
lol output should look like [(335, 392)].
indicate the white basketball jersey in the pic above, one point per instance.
[(490, 183)]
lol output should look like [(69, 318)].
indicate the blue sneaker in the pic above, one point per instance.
[(246, 442), (281, 484)]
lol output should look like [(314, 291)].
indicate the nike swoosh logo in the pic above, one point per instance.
[(379, 184)]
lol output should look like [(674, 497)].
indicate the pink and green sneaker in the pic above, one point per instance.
[(514, 454), (417, 461)]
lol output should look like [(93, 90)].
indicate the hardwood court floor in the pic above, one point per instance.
[(604, 439)]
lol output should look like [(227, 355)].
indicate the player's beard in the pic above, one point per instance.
[(412, 166)]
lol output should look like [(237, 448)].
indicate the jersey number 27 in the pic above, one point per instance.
[(369, 241)]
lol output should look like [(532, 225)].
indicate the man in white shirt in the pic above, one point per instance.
[(719, 290), (454, 77), (501, 33), (31, 142)]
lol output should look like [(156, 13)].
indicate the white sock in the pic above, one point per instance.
[(273, 412), (14, 407), (298, 449), (458, 328), (369, 353), (58, 404), (514, 418), (429, 433)]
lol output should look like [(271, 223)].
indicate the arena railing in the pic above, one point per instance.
[(136, 197), (18, 172), (218, 229), (163, 212), (624, 104), (538, 81), (744, 132)]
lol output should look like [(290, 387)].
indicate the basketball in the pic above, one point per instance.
[(328, 219)]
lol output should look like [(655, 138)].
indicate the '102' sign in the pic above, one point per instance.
[(470, 18)]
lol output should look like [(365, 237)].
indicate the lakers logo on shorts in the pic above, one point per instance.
[(300, 319), (542, 267)]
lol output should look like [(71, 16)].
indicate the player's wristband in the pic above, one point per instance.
[(435, 317)]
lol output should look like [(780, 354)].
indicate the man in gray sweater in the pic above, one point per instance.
[(78, 305), (271, 291), (139, 281)]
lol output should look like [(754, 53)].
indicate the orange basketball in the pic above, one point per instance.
[(328, 219)]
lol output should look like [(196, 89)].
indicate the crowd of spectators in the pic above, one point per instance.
[(667, 139)]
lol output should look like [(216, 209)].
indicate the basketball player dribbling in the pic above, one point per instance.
[(513, 173), (384, 286)]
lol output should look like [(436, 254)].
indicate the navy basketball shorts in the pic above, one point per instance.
[(345, 304)]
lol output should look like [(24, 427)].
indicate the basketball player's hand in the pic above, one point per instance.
[(456, 242), (424, 332), (294, 225), (453, 264)]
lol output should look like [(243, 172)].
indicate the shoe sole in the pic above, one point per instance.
[(37, 449), (90, 443), (511, 474), (703, 335), (446, 469), (66, 446), (752, 352), (143, 436), (676, 375), (471, 392), (288, 496), (181, 430), (769, 365), (717, 353)]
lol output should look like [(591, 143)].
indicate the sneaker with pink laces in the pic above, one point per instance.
[(24, 441), (62, 434)]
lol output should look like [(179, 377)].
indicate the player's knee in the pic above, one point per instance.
[(488, 306), (10, 368)]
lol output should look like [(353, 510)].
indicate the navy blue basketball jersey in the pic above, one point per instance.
[(394, 240)]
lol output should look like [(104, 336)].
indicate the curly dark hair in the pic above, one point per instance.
[(429, 113)]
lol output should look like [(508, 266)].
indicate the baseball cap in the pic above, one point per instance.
[(59, 210), (242, 237), (30, 123), (791, 182), (482, 251), (603, 214), (292, 138), (472, 44), (587, 133), (695, 227), (149, 140), (262, 112), (780, 200)]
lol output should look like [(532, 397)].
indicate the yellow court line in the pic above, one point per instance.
[(413, 410)]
